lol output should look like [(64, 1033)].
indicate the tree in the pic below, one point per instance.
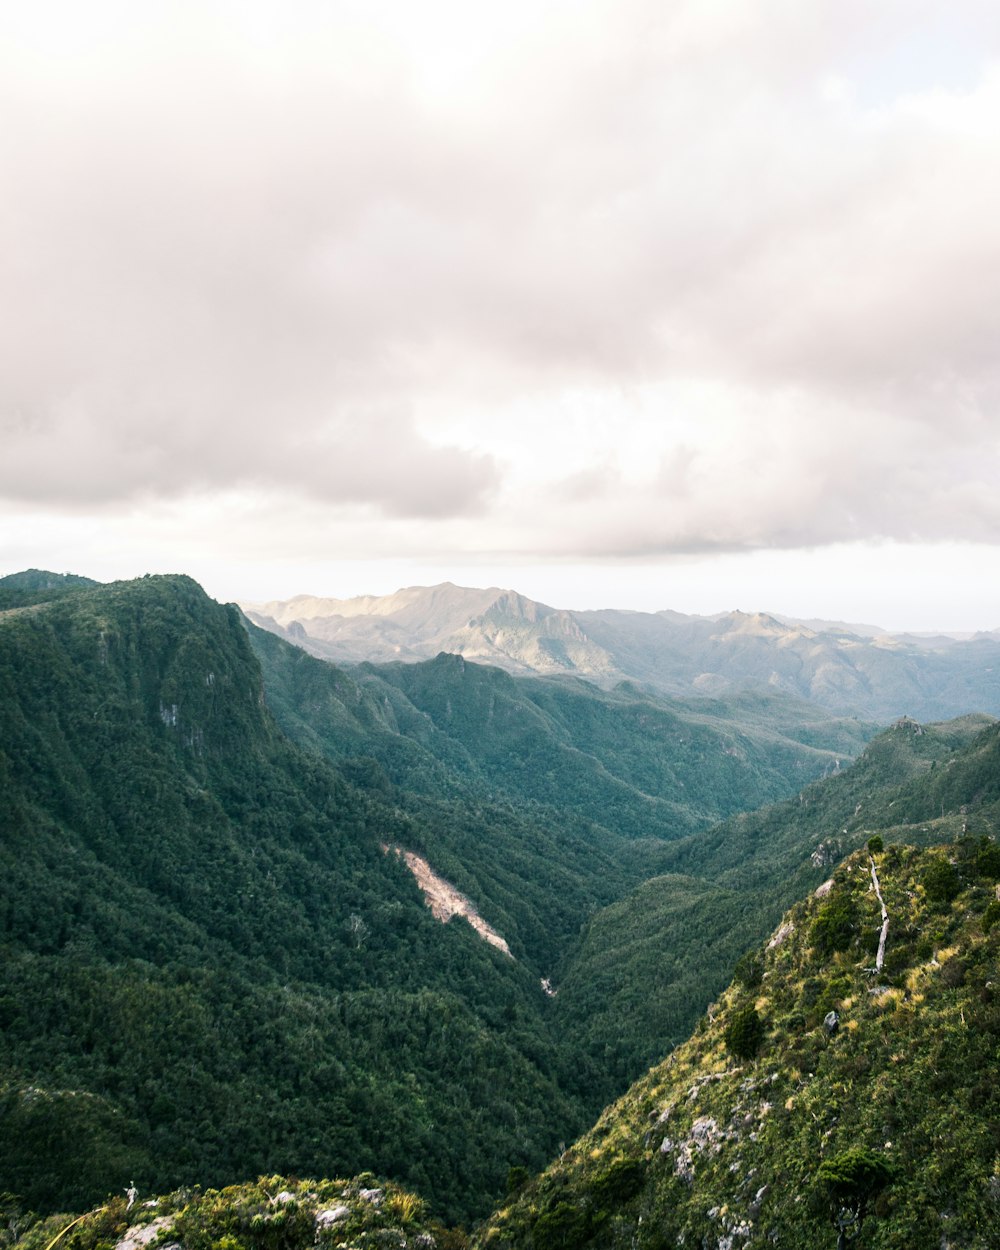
[(941, 882), (744, 1033), (851, 1181)]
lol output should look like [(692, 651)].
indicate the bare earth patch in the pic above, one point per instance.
[(444, 900)]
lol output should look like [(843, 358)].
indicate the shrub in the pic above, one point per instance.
[(517, 1178), (875, 845), (941, 882), (749, 970), (564, 1227), (850, 1182), (744, 1033), (621, 1181), (833, 928), (988, 861)]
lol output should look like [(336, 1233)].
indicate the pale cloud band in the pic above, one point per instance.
[(567, 279)]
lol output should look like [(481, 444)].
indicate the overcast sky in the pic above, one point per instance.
[(666, 304)]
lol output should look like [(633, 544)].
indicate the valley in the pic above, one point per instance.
[(245, 892)]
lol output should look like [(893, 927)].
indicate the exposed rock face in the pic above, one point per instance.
[(332, 1215), (827, 853), (780, 934), (141, 1235), (445, 901)]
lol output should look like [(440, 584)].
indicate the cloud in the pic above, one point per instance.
[(609, 278)]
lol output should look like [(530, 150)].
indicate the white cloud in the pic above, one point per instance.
[(552, 279)]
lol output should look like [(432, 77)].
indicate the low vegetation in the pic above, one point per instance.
[(821, 1102)]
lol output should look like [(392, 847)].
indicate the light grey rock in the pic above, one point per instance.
[(332, 1215), (140, 1235)]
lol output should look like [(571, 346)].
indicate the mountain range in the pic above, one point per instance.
[(227, 867), (850, 670)]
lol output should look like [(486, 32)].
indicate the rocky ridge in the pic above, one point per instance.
[(858, 670), (812, 1060)]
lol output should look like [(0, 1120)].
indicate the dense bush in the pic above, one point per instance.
[(834, 926), (745, 1032), (749, 970), (941, 882), (621, 1181), (564, 1227)]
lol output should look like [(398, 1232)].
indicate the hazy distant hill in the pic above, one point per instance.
[(495, 626), (862, 672)]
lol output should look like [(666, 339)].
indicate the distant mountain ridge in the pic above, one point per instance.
[(493, 626), (855, 670)]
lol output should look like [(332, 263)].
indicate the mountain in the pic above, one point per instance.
[(840, 1089), (212, 967), (849, 670), (218, 957), (492, 626), (38, 585), (561, 796), (656, 956), (826, 1094)]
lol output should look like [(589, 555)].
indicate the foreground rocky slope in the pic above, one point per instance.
[(273, 1211), (819, 1091), (658, 955)]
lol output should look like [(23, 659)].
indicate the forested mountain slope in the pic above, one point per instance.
[(821, 1094), (658, 955), (841, 1088), (210, 967), (544, 798), (213, 969), (38, 586)]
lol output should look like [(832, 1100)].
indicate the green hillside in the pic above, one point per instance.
[(641, 765), (210, 967), (777, 1120), (545, 799), (38, 586), (823, 1099), (658, 955)]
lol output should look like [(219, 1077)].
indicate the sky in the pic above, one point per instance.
[(680, 304)]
